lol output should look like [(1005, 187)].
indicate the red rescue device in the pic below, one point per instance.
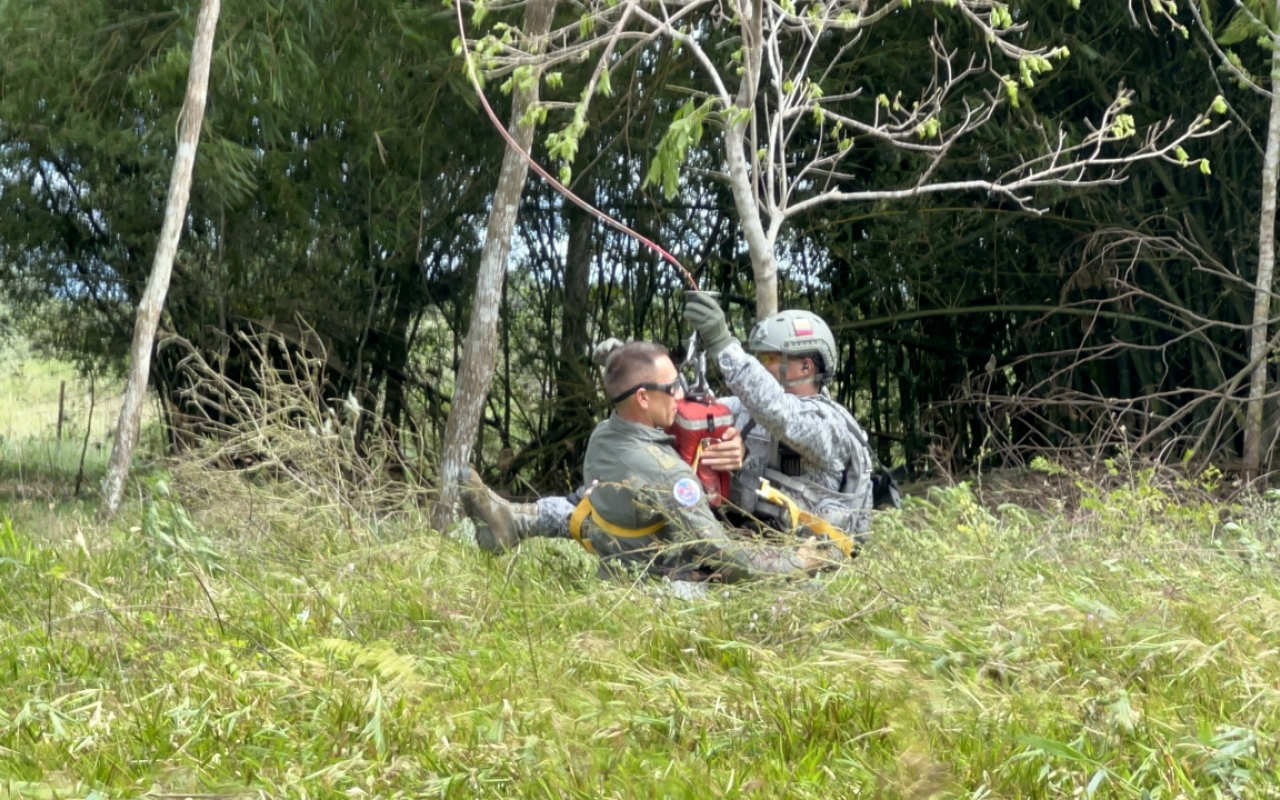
[(701, 422)]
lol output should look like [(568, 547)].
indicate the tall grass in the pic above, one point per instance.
[(34, 460), (1125, 647)]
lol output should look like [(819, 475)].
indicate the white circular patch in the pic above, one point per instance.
[(687, 492)]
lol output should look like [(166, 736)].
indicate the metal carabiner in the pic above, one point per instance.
[(697, 361)]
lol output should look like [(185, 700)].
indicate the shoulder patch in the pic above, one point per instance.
[(665, 457), (687, 492)]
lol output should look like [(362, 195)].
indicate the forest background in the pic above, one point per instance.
[(1047, 233), (346, 173)]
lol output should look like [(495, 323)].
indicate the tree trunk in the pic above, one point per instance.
[(1262, 289), (479, 356), (744, 164), (764, 265), (574, 379), (144, 329)]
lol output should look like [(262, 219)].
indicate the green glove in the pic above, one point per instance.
[(704, 314)]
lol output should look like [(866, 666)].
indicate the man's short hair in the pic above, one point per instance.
[(630, 364)]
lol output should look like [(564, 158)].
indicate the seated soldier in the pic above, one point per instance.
[(645, 507)]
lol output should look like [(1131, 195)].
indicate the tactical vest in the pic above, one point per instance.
[(848, 508)]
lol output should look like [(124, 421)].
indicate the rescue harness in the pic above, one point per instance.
[(584, 509)]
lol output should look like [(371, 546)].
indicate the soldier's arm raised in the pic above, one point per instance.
[(797, 422)]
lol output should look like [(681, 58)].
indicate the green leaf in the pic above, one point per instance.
[(1056, 749), (929, 128), (1011, 86), (685, 131), (563, 144), (1243, 25), (1204, 166), (1219, 105), (847, 20), (525, 77), (535, 114)]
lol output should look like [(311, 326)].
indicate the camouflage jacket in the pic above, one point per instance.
[(813, 438)]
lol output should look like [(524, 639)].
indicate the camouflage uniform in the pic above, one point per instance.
[(808, 446), (813, 438), (637, 479)]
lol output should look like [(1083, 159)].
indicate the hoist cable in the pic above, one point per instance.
[(471, 69)]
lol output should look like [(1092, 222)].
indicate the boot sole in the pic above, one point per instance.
[(489, 542)]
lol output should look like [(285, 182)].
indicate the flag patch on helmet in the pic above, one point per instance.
[(802, 327), (687, 492)]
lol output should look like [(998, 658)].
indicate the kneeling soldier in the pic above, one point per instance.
[(801, 445)]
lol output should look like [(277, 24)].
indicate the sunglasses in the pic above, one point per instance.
[(674, 388)]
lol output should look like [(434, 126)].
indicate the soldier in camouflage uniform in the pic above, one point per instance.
[(646, 508), (796, 435)]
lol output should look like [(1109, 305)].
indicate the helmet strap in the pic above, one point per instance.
[(782, 374)]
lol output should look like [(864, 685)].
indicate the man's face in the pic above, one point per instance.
[(796, 368), (662, 404), (773, 363)]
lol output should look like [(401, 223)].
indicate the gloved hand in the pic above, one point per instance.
[(600, 355), (703, 312)]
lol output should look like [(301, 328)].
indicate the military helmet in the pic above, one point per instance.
[(794, 333)]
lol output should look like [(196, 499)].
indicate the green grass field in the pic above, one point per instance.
[(32, 455), (237, 646)]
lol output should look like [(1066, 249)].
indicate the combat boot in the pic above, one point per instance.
[(500, 524)]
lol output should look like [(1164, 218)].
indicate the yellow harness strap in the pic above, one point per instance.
[(585, 509), (697, 457), (813, 522)]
